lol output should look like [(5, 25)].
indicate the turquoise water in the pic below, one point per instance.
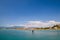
[(28, 35)]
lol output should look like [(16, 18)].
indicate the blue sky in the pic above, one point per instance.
[(19, 11)]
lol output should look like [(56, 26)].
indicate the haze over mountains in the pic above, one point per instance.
[(32, 24)]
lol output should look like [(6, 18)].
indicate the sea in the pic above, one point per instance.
[(29, 35)]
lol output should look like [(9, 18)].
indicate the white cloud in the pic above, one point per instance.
[(36, 24), (40, 24)]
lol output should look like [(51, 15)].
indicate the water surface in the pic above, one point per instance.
[(28, 35)]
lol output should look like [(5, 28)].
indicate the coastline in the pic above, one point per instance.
[(29, 29)]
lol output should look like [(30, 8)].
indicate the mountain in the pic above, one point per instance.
[(58, 26)]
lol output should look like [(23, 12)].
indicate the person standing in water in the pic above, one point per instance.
[(32, 31)]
